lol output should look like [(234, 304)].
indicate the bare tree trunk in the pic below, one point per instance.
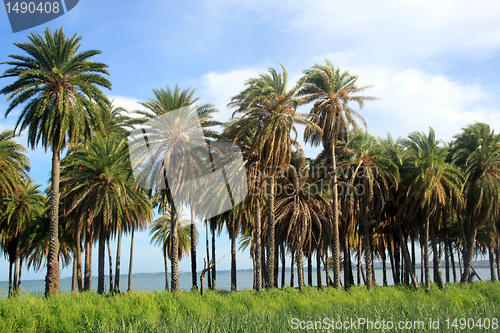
[(270, 236), (130, 263), (118, 260), (490, 252), (53, 275)]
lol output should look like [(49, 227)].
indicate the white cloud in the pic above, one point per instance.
[(128, 103)]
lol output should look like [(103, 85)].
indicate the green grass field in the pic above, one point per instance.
[(246, 311)]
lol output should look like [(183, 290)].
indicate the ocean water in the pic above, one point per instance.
[(156, 281)]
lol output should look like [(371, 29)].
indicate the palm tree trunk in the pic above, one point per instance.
[(263, 263), (407, 260), (165, 260), (291, 268), (130, 263), (276, 263), (174, 249), (490, 252), (101, 258), (347, 281), (11, 263), (74, 284), (469, 254), (78, 254), (397, 259), (426, 254), (318, 269), (110, 267), (52, 277), (309, 269), (87, 285), (384, 268), (16, 268), (336, 238), (118, 259), (214, 279), (193, 249), (497, 255), (437, 258), (270, 235), (300, 265), (233, 260), (446, 254), (283, 263), (20, 273), (368, 252), (360, 254), (209, 278), (258, 249), (452, 257), (413, 262)]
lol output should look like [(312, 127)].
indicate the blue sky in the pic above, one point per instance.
[(431, 64)]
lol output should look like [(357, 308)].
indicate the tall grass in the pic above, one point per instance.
[(245, 311)]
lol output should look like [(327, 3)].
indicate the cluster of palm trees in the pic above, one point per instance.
[(362, 196)]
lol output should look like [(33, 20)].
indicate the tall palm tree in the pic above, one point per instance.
[(332, 90), (161, 232), (58, 88), (16, 215), (268, 107), (434, 183), (13, 165), (477, 152), (99, 186), (173, 140)]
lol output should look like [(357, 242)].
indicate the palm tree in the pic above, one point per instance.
[(434, 183), (332, 90), (269, 108), (17, 214), (374, 173), (13, 165), (99, 187), (301, 213), (161, 232), (477, 152), (58, 88), (170, 148)]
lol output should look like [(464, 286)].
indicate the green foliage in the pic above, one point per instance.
[(246, 311)]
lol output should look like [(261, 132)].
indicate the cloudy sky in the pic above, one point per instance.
[(431, 63)]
